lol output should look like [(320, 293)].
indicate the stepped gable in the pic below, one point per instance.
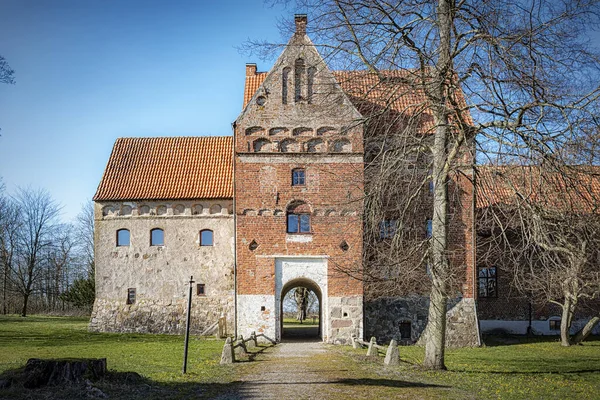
[(167, 168), (370, 92)]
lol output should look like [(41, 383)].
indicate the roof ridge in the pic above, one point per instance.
[(176, 137)]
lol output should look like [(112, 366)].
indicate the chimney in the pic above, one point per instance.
[(300, 20), (250, 69)]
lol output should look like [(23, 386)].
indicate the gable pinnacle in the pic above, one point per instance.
[(301, 21)]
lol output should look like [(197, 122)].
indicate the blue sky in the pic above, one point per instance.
[(88, 72)]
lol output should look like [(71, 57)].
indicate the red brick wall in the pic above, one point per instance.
[(334, 193)]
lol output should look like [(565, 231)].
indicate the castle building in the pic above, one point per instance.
[(276, 206)]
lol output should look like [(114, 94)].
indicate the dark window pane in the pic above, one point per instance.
[(130, 295), (298, 177), (292, 223), (200, 289), (405, 330), (157, 237), (206, 238), (304, 223), (122, 237), (387, 229), (487, 285)]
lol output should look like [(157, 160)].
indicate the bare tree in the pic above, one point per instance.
[(9, 225), (526, 70), (301, 297), (61, 259), (544, 228), (6, 72), (38, 215), (84, 233)]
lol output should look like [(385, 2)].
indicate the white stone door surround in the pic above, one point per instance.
[(301, 268)]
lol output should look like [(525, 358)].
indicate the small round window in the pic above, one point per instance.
[(261, 100)]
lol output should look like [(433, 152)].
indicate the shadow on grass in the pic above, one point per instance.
[(130, 385)]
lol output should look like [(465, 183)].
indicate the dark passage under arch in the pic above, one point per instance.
[(311, 328)]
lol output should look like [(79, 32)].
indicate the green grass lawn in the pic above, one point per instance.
[(158, 358), (535, 369), (295, 322)]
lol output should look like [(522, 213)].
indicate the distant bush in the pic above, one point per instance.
[(81, 294)]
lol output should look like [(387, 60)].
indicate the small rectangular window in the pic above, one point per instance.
[(200, 289), (387, 228), (429, 232), (298, 177), (298, 223), (131, 296), (488, 282), (554, 324)]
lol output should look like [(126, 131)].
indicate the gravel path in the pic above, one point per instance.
[(288, 370), (313, 370)]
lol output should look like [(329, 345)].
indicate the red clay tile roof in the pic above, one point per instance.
[(252, 84), (363, 88), (168, 168), (578, 189)]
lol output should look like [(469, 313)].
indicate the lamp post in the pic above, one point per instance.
[(187, 326)]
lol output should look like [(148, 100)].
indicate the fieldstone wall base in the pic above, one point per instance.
[(461, 326), (384, 316), (149, 316)]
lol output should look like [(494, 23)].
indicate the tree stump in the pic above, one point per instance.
[(65, 371)]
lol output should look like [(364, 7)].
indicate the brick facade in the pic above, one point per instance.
[(298, 119)]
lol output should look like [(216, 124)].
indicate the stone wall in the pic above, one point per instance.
[(384, 315), (160, 274)]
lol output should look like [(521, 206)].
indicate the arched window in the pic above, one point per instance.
[(123, 237), (311, 80), (299, 72), (341, 146), (157, 237), (262, 145), (285, 78), (206, 237), (298, 217)]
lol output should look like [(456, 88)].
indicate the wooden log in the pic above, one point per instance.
[(240, 347), (252, 341), (40, 372)]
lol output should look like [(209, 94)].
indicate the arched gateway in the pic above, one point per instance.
[(310, 273), (306, 332)]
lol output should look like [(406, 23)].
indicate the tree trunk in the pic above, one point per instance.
[(55, 372), (25, 301), (435, 341), (565, 322), (586, 330)]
